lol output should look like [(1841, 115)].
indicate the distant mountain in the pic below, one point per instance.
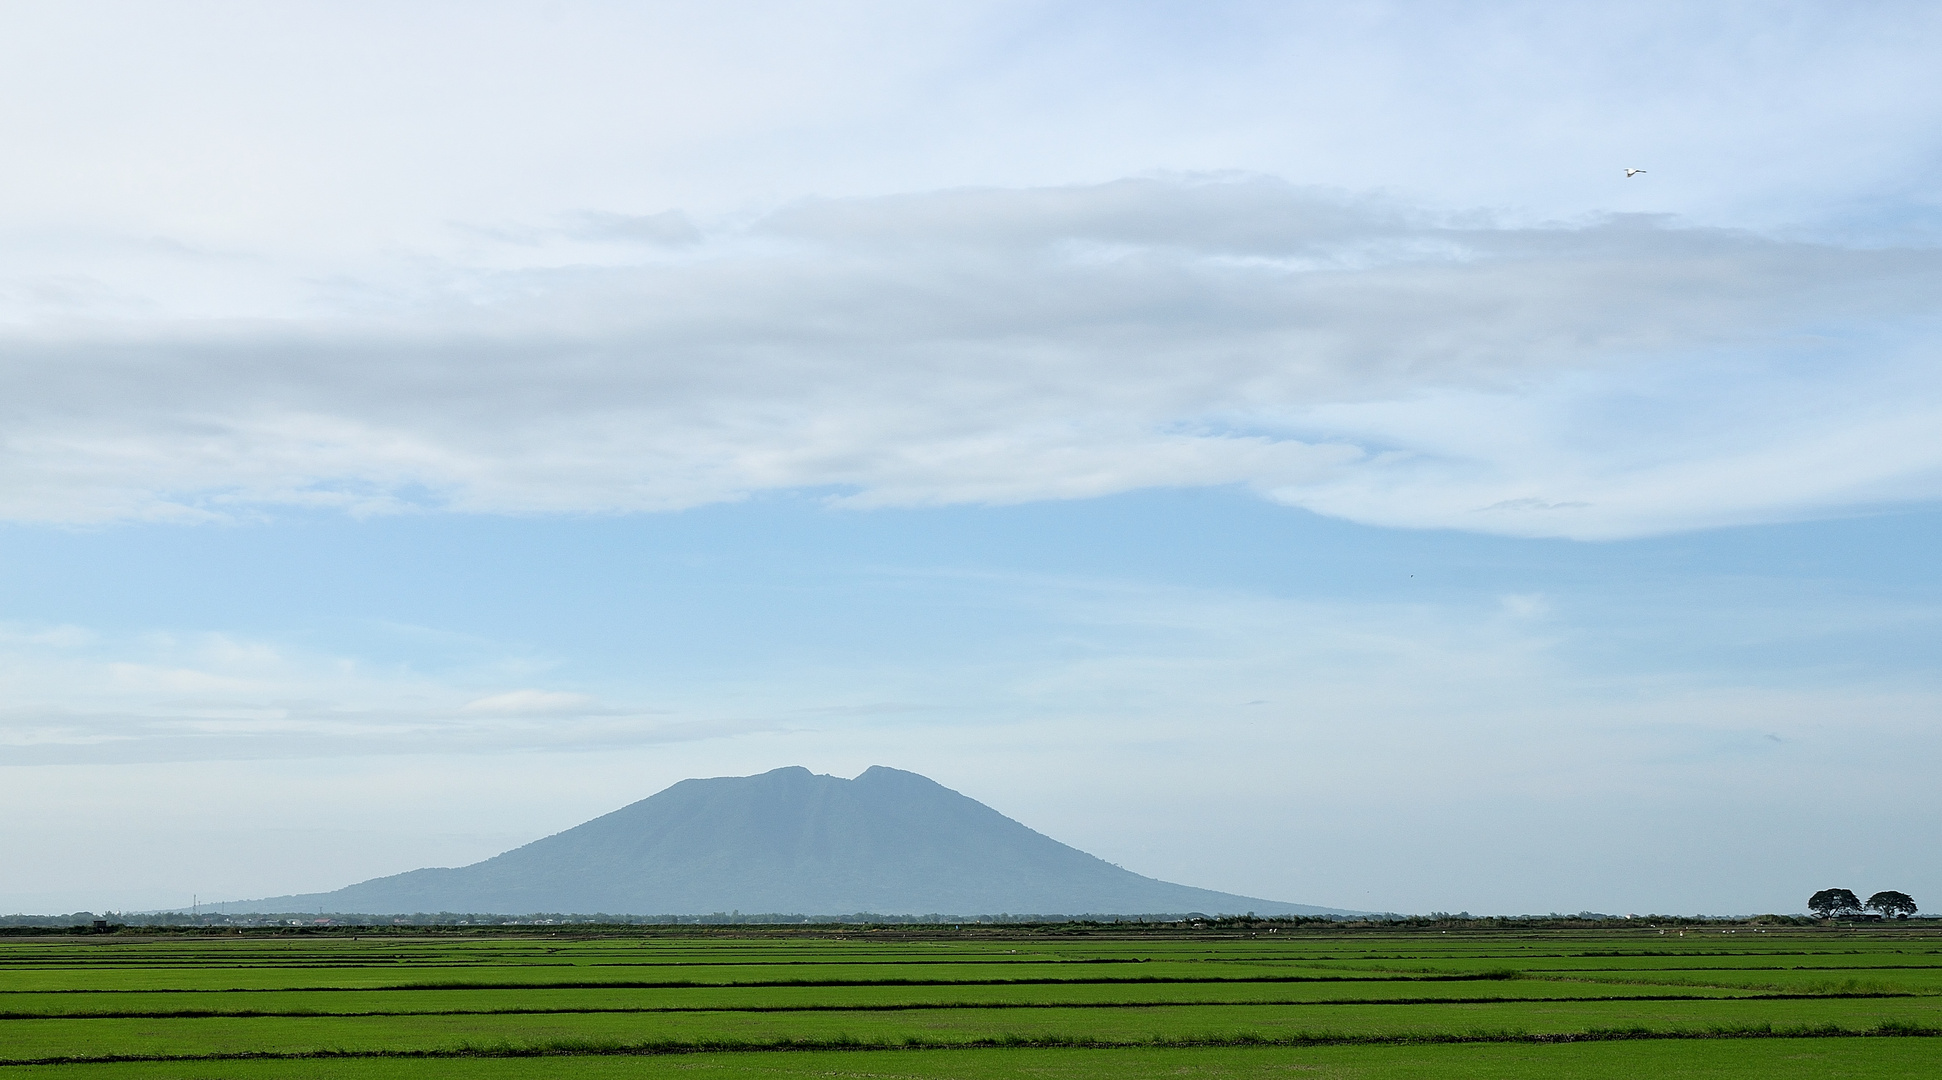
[(788, 842)]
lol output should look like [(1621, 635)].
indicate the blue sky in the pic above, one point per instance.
[(1273, 447)]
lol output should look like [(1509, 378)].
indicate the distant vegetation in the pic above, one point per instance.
[(452, 921)]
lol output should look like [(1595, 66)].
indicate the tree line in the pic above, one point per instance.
[(1835, 903)]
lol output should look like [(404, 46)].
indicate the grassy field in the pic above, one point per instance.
[(1747, 1002)]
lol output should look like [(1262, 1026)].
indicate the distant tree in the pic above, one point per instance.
[(1892, 904), (1831, 902)]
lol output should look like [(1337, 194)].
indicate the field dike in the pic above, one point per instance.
[(919, 1006), (647, 1048)]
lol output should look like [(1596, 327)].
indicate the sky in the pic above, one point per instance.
[(1273, 447)]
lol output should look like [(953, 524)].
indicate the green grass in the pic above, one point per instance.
[(1770, 1059), (1849, 1002), (33, 1040), (812, 998)]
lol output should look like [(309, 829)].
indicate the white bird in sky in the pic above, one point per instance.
[(1629, 173)]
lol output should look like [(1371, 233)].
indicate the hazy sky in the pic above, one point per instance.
[(1271, 446)]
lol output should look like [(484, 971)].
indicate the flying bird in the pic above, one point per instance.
[(1629, 173)]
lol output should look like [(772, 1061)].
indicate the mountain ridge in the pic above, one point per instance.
[(787, 841)]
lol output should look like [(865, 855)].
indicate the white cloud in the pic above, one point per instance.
[(349, 127), (1613, 377), (533, 702), (1526, 605), (348, 255), (82, 697), (55, 636)]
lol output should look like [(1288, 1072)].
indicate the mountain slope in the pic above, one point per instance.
[(787, 841)]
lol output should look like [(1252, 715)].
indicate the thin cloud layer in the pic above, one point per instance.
[(1346, 354), (76, 697)]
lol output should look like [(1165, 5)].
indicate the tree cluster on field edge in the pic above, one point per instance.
[(1842, 903)]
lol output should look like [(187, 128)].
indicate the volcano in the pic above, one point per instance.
[(789, 842)]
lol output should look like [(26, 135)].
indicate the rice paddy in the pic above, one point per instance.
[(920, 1004)]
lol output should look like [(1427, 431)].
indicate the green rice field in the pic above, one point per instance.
[(909, 1003)]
